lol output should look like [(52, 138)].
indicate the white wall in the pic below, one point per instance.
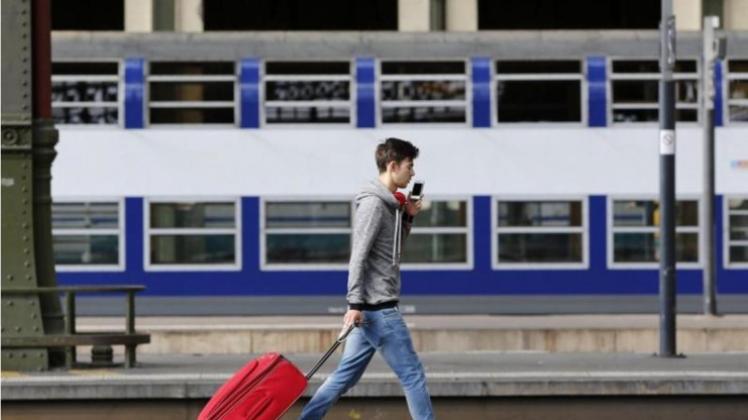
[(230, 161), (736, 15), (139, 15), (462, 15), (188, 16), (688, 15), (413, 15)]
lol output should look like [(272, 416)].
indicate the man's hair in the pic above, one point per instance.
[(394, 150)]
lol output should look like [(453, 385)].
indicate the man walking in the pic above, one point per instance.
[(383, 218)]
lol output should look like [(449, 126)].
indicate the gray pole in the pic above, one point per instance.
[(707, 198), (667, 182)]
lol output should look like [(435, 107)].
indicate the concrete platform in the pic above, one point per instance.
[(463, 375), (478, 367), (453, 333)]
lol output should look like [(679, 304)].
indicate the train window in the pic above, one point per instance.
[(85, 92), (307, 92), (539, 91), (440, 235), (538, 234), (635, 91), (192, 215), (191, 92), (87, 235), (737, 90), (306, 233), (193, 235), (423, 92), (634, 232), (737, 226)]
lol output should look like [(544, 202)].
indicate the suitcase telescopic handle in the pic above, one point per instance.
[(341, 337)]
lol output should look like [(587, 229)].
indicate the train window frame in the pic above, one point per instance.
[(149, 231), (350, 103), (611, 230), (464, 76), (119, 231), (584, 230), (234, 104), (265, 266), (726, 241), (497, 77), (467, 230), (612, 77), (117, 78), (730, 76)]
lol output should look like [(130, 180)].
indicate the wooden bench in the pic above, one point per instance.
[(70, 339)]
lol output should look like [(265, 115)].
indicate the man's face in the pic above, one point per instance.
[(402, 172)]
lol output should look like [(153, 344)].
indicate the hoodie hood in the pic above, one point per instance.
[(376, 188)]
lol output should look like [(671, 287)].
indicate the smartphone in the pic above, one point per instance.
[(417, 190)]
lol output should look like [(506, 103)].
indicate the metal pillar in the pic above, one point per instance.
[(667, 182), (712, 49), (28, 139), (44, 140)]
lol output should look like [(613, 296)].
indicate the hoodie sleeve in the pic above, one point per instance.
[(368, 222)]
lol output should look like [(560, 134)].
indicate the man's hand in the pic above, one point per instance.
[(352, 317), (413, 207)]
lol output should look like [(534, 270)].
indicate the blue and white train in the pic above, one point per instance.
[(227, 188)]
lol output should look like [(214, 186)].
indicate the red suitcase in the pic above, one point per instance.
[(265, 388)]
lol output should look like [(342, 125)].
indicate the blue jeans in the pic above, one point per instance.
[(383, 330)]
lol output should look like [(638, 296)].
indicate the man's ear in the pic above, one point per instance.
[(392, 166)]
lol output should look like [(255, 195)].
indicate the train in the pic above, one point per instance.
[(224, 181)]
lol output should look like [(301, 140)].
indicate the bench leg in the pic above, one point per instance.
[(70, 357), (130, 356)]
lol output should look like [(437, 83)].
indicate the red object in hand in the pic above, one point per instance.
[(262, 390), (400, 198)]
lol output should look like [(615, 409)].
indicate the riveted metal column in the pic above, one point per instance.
[(43, 143), (21, 314)]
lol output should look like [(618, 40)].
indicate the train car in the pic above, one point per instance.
[(220, 173)]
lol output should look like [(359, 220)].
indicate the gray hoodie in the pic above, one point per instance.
[(374, 271)]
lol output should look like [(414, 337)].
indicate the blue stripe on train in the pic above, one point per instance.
[(249, 77), (134, 92), (597, 88), (366, 76), (482, 279), (481, 80)]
